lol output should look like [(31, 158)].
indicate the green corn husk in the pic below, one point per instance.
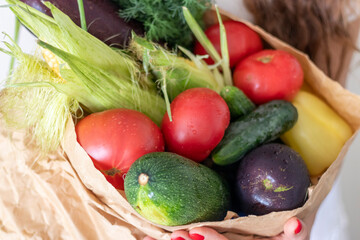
[(42, 110), (176, 72), (102, 90), (96, 75), (62, 33)]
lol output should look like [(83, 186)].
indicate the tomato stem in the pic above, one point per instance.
[(111, 172), (266, 59), (267, 184)]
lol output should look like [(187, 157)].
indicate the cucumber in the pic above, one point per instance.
[(264, 124), (171, 190), (239, 104)]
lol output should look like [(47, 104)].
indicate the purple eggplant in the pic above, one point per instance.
[(101, 17), (272, 177)]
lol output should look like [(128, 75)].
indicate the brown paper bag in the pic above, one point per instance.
[(41, 197), (344, 102), (57, 197)]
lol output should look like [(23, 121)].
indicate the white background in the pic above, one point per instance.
[(339, 216)]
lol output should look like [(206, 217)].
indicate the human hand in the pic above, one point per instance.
[(294, 229)]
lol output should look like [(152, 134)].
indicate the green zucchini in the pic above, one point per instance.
[(171, 190), (239, 104), (264, 124)]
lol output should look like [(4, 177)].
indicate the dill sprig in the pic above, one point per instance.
[(163, 19)]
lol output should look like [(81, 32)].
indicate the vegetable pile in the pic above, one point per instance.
[(227, 119)]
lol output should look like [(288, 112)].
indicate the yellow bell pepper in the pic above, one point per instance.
[(319, 133)]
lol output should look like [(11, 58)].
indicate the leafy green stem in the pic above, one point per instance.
[(82, 14)]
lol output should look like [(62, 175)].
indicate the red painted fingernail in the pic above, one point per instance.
[(299, 227), (178, 238), (196, 236)]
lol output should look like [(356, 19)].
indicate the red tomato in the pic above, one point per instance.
[(242, 41), (269, 75), (199, 119), (114, 139)]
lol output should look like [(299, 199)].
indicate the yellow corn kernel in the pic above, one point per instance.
[(319, 134), (51, 60)]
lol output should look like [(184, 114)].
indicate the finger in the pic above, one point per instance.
[(204, 233), (148, 238), (281, 236), (180, 235), (295, 229)]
